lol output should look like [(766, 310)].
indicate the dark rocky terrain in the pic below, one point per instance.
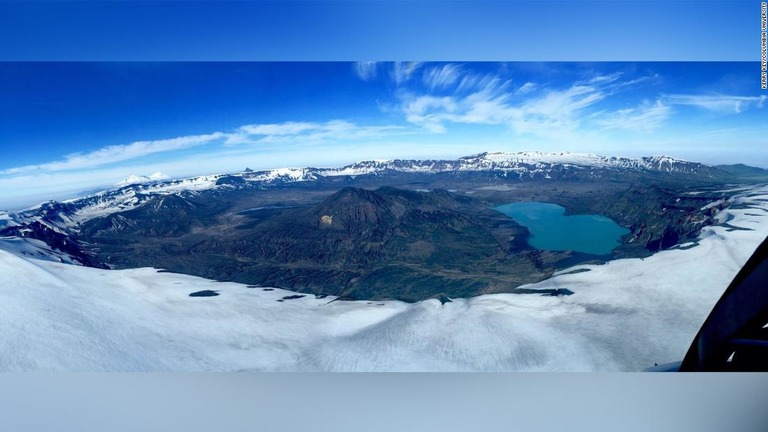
[(356, 243)]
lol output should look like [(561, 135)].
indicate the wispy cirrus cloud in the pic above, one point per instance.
[(117, 153), (399, 72), (556, 111), (441, 77), (471, 81), (430, 112), (489, 100), (603, 79), (526, 88), (718, 103), (458, 94), (308, 133), (295, 133), (366, 70), (645, 117), (286, 128), (403, 71)]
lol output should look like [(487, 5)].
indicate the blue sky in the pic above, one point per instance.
[(69, 127), (380, 29)]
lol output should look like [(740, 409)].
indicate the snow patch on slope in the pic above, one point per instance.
[(33, 248)]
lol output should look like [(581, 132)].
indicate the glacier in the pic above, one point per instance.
[(624, 315)]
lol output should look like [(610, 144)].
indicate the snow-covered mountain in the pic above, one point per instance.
[(525, 162), (69, 213), (624, 315), (138, 179)]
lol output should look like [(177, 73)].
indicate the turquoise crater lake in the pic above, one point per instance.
[(552, 230)]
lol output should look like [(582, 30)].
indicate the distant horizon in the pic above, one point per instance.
[(69, 127)]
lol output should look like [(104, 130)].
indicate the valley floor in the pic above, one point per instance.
[(624, 315)]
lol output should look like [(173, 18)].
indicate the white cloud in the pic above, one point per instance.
[(399, 72), (475, 82), (548, 114), (527, 109), (602, 79), (430, 111), (718, 103), (437, 78), (403, 71), (555, 115), (298, 133), (526, 88), (643, 118), (287, 128), (117, 153), (307, 133), (488, 98), (366, 70)]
